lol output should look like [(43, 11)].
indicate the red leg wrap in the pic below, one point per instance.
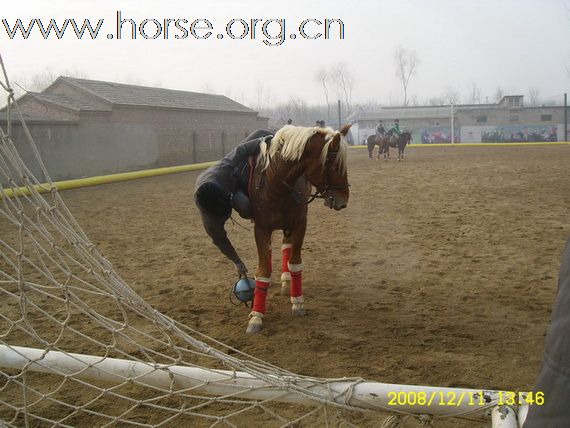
[(285, 260), (296, 284), (259, 296)]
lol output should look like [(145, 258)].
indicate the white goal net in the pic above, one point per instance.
[(78, 347)]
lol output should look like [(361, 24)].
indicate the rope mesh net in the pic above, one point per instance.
[(61, 297)]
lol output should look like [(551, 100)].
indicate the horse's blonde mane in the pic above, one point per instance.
[(290, 142)]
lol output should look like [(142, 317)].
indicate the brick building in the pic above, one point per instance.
[(506, 121), (88, 127)]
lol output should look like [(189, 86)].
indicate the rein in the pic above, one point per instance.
[(319, 194)]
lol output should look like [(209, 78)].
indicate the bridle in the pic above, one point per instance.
[(321, 193)]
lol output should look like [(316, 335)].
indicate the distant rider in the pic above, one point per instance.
[(380, 130), (395, 130)]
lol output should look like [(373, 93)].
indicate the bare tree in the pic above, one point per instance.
[(262, 97), (406, 62), (207, 88), (295, 108), (40, 81), (451, 95), (474, 94), (342, 76), (533, 95), (499, 94), (323, 77), (436, 101)]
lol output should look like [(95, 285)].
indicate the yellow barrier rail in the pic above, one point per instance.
[(105, 179), (126, 176)]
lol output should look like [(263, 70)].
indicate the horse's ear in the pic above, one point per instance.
[(344, 129)]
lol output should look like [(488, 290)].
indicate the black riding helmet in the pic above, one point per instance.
[(211, 197)]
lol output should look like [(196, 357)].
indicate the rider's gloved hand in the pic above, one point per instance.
[(241, 270)]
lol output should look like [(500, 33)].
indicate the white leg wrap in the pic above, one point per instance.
[(286, 246), (295, 268), (299, 300), (263, 279), (256, 317), (286, 276)]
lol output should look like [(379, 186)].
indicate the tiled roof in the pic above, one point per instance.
[(35, 117), (134, 95), (70, 103)]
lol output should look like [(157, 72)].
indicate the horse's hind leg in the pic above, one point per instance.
[(262, 280)]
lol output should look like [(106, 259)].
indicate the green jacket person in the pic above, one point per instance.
[(396, 128)]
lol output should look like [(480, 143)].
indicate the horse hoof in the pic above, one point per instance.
[(298, 312), (298, 308), (254, 328), (255, 324)]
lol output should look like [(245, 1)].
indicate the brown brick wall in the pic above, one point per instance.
[(188, 136)]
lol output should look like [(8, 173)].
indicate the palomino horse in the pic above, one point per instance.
[(280, 186), (391, 140)]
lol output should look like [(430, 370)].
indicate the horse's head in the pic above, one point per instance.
[(324, 165), (317, 153)]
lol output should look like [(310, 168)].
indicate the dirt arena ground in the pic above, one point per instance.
[(441, 271)]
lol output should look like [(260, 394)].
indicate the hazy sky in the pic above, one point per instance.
[(515, 44)]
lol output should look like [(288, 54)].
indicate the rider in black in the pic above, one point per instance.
[(380, 131), (224, 186)]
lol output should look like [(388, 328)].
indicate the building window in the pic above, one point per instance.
[(435, 123), (546, 117), (514, 118), (481, 119)]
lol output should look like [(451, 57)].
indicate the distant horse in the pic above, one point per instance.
[(392, 140), (280, 191), (371, 141)]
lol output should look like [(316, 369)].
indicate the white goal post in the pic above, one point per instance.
[(363, 394)]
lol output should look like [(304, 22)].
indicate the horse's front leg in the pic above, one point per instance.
[(296, 268), (262, 279), (286, 256)]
